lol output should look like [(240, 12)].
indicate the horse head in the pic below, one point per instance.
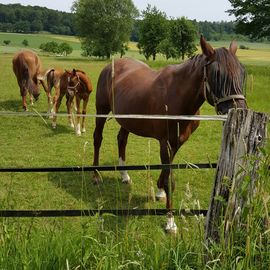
[(73, 81), (224, 78)]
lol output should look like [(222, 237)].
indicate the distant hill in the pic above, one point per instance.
[(31, 19)]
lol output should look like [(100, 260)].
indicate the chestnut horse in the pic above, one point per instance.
[(27, 68), (215, 76), (73, 83)]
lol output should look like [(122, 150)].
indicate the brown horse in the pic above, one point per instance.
[(52, 78), (215, 76), (73, 83), (27, 68)]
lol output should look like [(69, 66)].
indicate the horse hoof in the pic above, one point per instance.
[(127, 180), (79, 134), (125, 177), (83, 130), (171, 227), (161, 195), (72, 125), (97, 180)]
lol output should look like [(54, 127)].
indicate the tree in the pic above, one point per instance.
[(104, 25), (25, 43), (152, 30), (252, 17), (166, 48), (51, 46), (183, 35), (64, 48), (6, 42)]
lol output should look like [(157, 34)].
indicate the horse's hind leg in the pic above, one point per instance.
[(48, 91), (97, 143), (122, 142)]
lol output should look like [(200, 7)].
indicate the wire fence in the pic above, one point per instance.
[(115, 212)]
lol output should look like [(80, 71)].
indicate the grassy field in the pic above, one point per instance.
[(111, 242)]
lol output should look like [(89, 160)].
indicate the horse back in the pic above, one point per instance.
[(127, 81)]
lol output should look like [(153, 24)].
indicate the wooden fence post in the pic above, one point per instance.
[(243, 134)]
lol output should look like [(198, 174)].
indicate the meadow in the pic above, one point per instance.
[(109, 242)]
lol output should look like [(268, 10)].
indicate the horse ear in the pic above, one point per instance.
[(74, 71), (206, 48), (233, 47)]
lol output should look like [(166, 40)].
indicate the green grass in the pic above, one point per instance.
[(111, 242)]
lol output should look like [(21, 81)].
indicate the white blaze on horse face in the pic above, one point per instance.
[(125, 177)]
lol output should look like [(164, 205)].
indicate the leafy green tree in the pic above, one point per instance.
[(51, 46), (152, 30), (64, 48), (183, 35), (22, 27), (104, 25), (252, 17), (166, 48), (36, 25), (25, 43), (6, 42)]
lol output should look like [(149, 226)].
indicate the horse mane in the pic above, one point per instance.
[(230, 78), (83, 77)]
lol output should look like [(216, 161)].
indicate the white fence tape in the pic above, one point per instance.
[(118, 116)]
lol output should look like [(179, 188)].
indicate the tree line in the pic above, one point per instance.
[(106, 26), (31, 19)]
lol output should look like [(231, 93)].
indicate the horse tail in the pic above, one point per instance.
[(27, 82)]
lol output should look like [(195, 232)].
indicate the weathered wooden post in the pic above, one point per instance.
[(243, 134)]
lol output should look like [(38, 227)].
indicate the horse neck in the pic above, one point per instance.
[(192, 89), (85, 82)]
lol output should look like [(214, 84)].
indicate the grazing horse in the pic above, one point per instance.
[(52, 78), (215, 76), (27, 68), (73, 83)]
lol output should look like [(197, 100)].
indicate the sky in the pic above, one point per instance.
[(201, 10)]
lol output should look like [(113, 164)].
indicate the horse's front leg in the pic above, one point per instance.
[(78, 124), (122, 142), (165, 183), (85, 102), (69, 106)]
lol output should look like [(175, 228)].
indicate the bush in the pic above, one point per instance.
[(243, 47), (6, 42)]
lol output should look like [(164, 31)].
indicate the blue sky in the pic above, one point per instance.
[(201, 10)]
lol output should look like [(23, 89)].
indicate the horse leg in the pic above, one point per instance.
[(122, 142), (78, 124), (85, 102), (31, 99), (48, 91), (24, 103), (97, 143), (57, 103), (164, 183), (69, 106)]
